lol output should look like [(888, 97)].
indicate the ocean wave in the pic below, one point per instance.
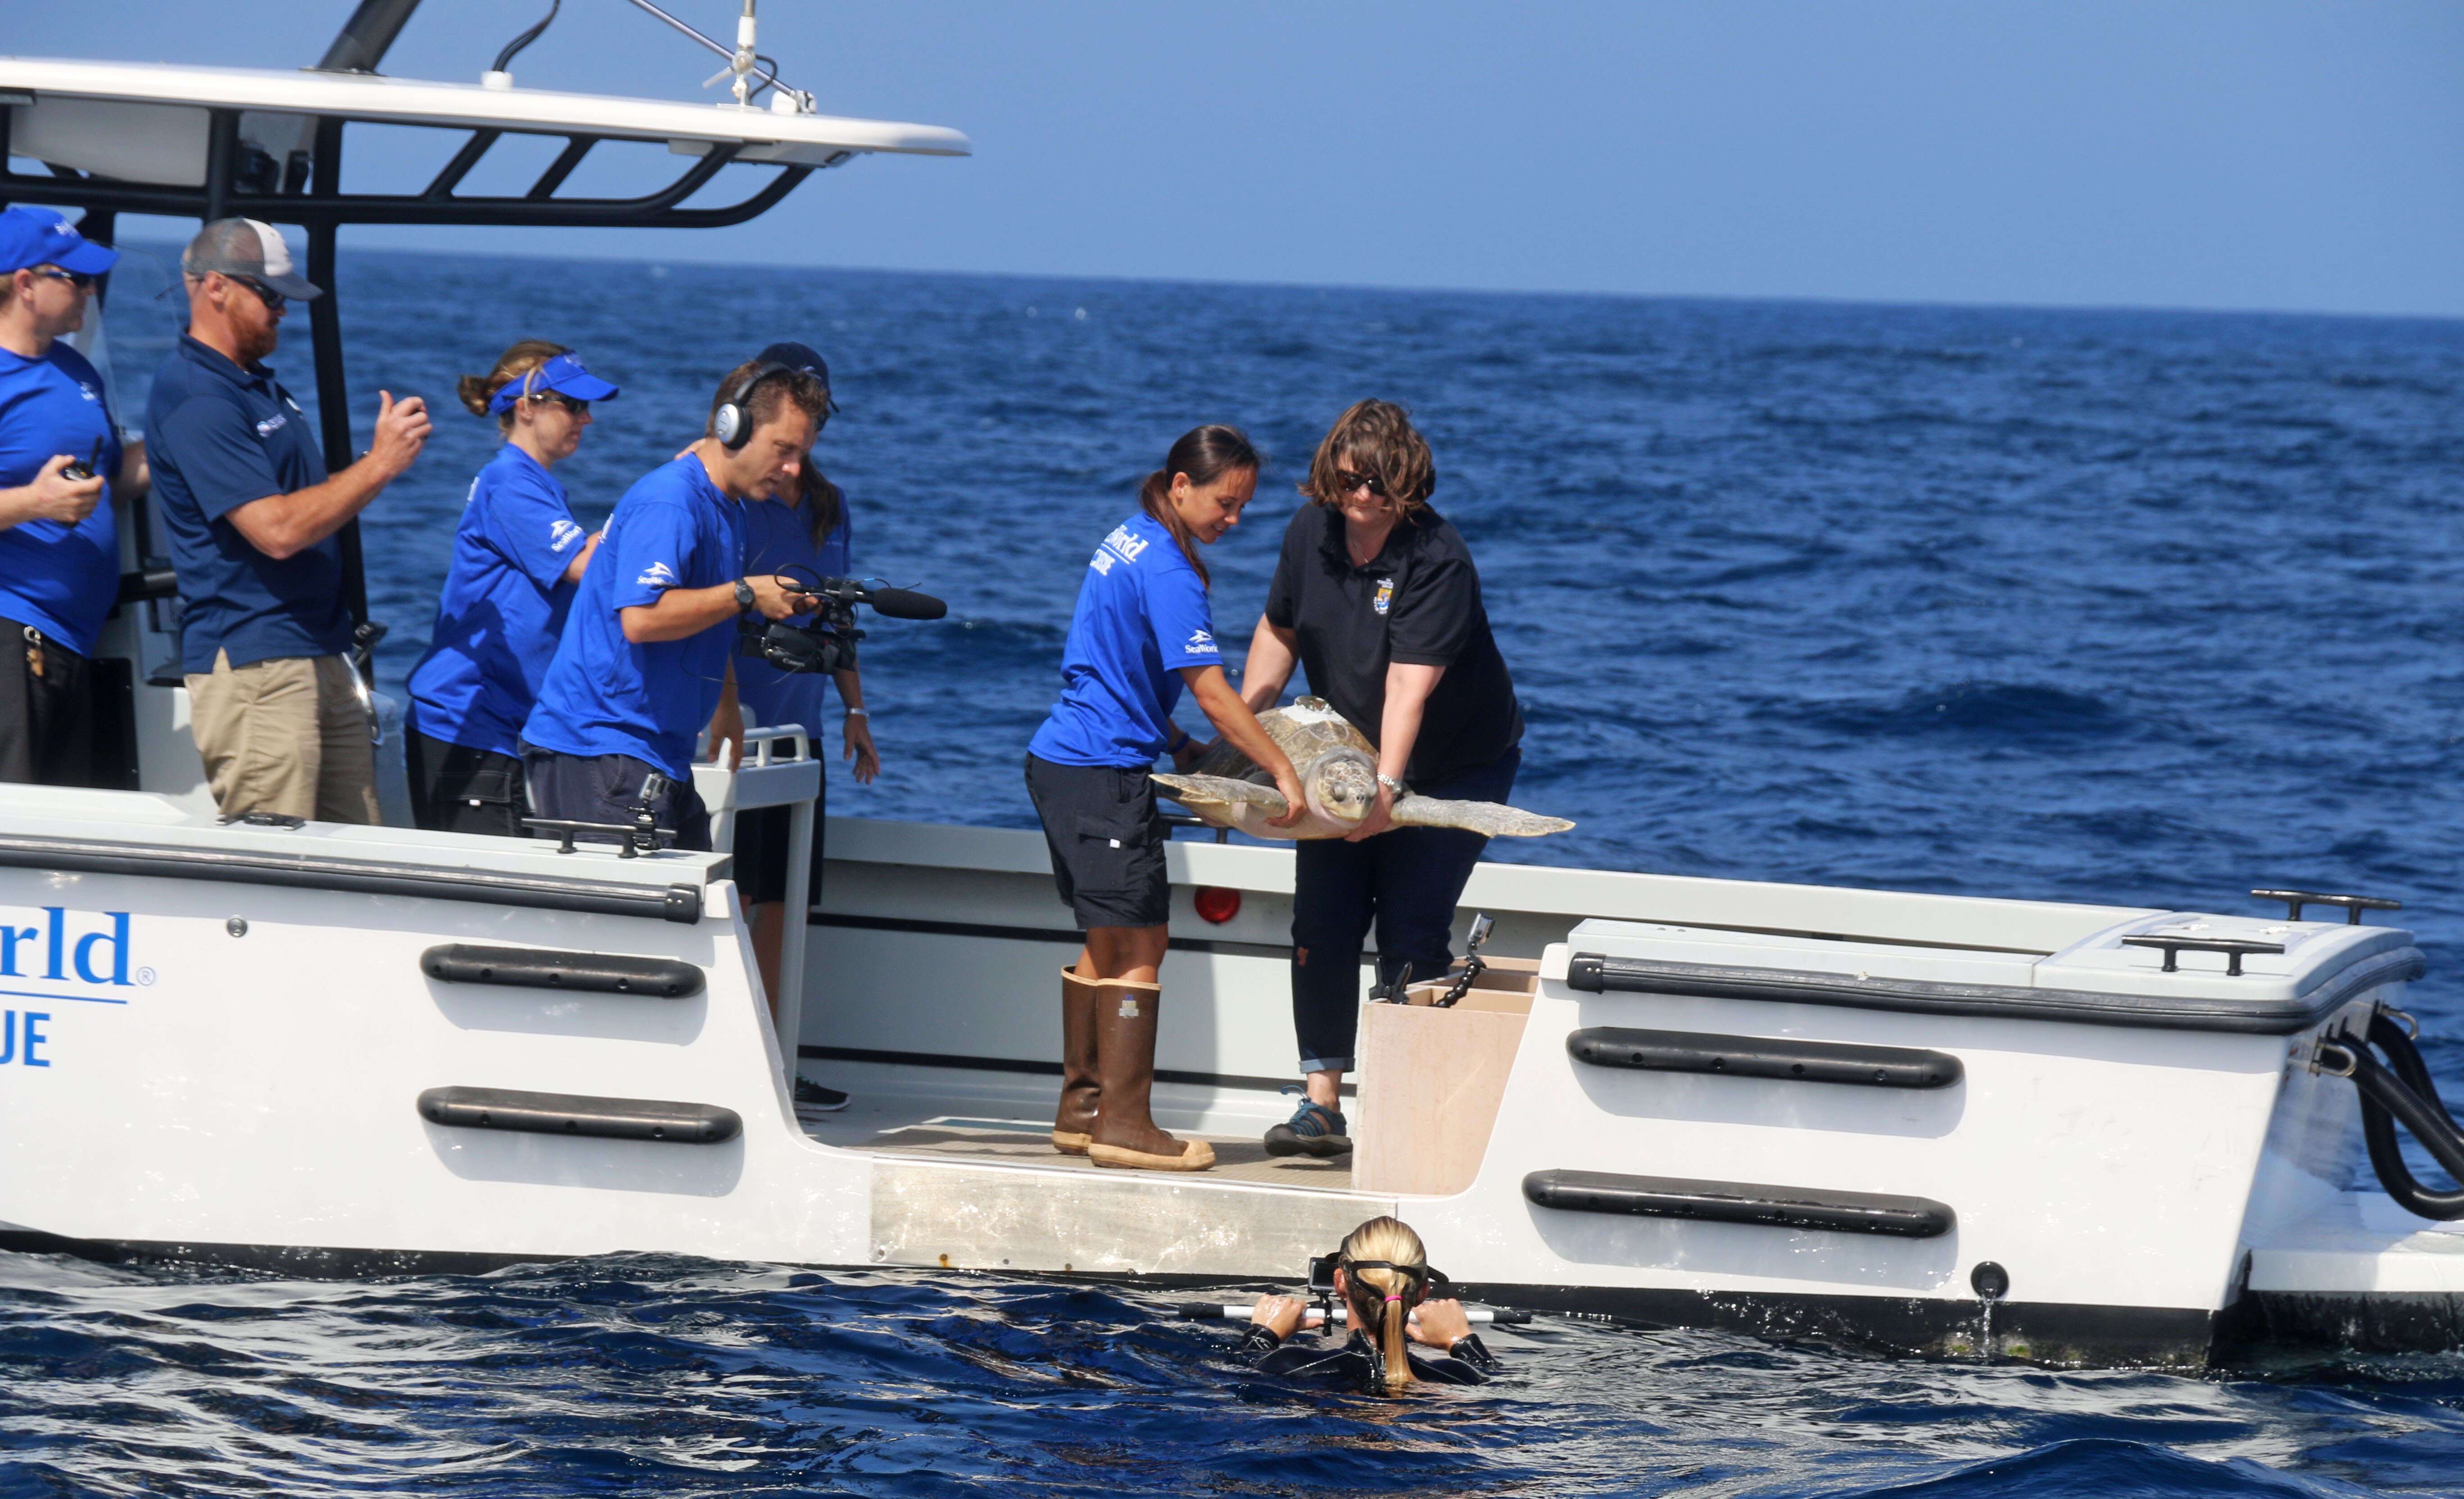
[(2015, 714), (2095, 1468), (656, 1374)]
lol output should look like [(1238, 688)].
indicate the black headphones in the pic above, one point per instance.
[(732, 423)]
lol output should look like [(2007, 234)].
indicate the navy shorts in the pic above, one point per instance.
[(1107, 841), (603, 788), (458, 789)]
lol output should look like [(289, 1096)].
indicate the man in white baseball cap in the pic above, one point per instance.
[(250, 252), (265, 636)]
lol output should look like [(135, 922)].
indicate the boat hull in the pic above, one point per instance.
[(329, 1075)]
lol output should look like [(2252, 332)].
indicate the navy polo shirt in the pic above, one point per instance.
[(502, 609), (1142, 615), (777, 540), (219, 436), (1417, 601), (62, 580), (604, 695)]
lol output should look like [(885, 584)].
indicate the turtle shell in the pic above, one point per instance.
[(1307, 731)]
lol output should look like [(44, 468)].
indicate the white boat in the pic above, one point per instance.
[(1925, 1123)]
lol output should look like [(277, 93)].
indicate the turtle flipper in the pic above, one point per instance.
[(1490, 819), (1219, 798)]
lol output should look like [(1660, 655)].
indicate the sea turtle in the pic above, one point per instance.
[(1338, 771)]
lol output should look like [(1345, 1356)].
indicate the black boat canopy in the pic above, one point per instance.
[(210, 143)]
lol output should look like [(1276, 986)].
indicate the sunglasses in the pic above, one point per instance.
[(274, 300), (1350, 481), (576, 407), (80, 279)]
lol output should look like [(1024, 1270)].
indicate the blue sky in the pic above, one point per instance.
[(2252, 154)]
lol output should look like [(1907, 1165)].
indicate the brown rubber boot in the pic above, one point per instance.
[(1075, 1119), (1124, 1132)]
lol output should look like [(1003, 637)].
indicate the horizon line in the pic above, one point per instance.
[(1737, 298)]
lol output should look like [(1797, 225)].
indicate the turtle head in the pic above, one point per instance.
[(1341, 787)]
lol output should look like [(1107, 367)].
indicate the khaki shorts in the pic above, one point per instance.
[(289, 735)]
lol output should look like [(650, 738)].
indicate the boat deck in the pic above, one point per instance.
[(1003, 1143), (1005, 1119)]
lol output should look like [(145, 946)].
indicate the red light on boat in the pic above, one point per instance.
[(1217, 904)]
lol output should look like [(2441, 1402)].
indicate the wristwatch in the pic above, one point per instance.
[(1390, 784), (744, 596)]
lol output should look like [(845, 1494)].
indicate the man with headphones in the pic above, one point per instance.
[(646, 645)]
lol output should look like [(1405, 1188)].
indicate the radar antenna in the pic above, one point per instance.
[(745, 64)]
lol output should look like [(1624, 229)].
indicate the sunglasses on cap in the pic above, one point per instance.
[(1351, 481)]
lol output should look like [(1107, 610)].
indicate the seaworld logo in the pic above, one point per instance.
[(51, 952), (1123, 544)]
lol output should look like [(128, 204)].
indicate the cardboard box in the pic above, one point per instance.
[(1431, 1079)]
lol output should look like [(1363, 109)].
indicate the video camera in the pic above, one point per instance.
[(827, 643)]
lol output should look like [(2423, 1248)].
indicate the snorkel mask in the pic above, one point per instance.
[(1322, 1269)]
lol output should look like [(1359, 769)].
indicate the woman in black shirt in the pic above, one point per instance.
[(1376, 598), (1382, 1274)]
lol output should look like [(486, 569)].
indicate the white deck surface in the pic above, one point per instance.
[(888, 1097)]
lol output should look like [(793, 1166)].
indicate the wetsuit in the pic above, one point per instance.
[(1358, 1362)]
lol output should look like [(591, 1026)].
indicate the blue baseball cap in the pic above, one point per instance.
[(802, 358), (563, 374), (32, 238)]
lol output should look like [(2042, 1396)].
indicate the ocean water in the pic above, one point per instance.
[(2132, 607)]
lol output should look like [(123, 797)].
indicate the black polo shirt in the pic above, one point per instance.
[(1417, 601)]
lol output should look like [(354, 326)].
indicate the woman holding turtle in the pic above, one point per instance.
[(1376, 598), (1142, 631)]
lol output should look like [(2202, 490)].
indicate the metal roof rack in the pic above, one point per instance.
[(210, 143)]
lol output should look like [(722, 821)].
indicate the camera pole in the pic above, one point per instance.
[(1239, 1311), (791, 939)]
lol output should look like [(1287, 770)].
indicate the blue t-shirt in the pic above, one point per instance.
[(1142, 617), (62, 580), (503, 610), (604, 695), (219, 436), (776, 541)]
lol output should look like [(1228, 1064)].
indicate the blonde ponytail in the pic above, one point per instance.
[(1382, 1298)]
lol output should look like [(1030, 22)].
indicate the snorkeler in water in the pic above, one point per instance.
[(1382, 1274)]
